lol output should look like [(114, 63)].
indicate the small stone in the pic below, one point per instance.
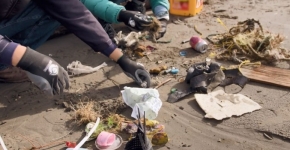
[(181, 107), (144, 84), (2, 123), (65, 105), (184, 145)]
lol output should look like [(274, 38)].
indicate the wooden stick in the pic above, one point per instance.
[(158, 86)]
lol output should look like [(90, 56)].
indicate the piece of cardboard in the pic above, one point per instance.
[(267, 74)]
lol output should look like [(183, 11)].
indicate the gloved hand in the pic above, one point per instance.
[(135, 71), (45, 72), (162, 31), (136, 5), (135, 19)]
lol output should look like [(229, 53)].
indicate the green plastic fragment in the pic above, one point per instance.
[(173, 90)]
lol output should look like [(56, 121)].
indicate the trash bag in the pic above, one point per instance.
[(140, 141)]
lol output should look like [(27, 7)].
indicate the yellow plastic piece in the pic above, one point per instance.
[(212, 55), (248, 63), (185, 7)]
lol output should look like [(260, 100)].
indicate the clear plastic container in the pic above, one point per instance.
[(185, 7)]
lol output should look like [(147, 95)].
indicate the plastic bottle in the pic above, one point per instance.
[(185, 7)]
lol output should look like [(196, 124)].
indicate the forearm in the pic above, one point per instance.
[(18, 54), (117, 53), (80, 21), (104, 9)]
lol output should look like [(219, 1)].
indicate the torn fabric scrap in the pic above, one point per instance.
[(77, 68)]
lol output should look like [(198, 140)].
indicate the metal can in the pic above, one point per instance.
[(198, 44)]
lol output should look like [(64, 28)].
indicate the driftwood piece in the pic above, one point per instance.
[(267, 74)]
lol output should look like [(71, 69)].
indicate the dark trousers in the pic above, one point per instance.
[(32, 27)]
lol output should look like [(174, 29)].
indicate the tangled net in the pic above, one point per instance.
[(245, 42)]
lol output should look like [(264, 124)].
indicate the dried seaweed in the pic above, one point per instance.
[(247, 42), (154, 28), (85, 113)]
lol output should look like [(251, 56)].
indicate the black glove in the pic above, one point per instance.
[(163, 23), (136, 5), (135, 19), (135, 71), (45, 72)]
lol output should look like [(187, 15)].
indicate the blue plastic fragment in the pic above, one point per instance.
[(174, 71), (183, 53)]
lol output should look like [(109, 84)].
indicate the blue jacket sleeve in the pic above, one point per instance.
[(160, 8), (80, 21), (155, 3), (104, 9)]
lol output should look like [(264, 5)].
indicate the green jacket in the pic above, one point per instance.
[(109, 11)]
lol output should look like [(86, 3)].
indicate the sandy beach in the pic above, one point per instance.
[(28, 118)]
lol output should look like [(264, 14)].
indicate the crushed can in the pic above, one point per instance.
[(198, 44)]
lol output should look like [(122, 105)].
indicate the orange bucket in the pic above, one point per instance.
[(185, 7)]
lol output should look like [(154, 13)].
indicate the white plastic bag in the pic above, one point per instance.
[(147, 100)]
